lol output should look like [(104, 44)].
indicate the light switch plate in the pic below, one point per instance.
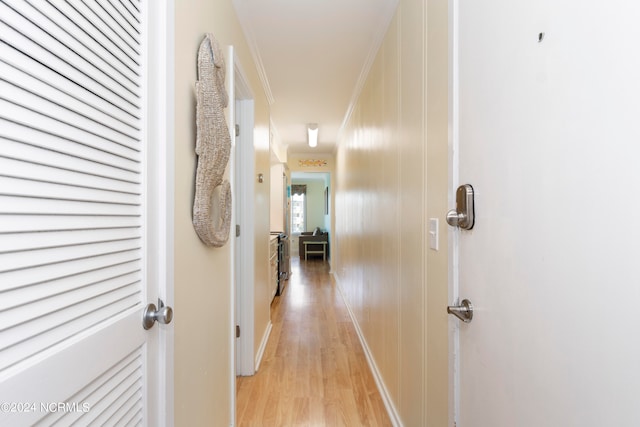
[(433, 233)]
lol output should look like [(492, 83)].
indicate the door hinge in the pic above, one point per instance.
[(237, 130), (237, 230), (237, 331)]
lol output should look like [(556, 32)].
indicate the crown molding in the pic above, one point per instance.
[(244, 19), (385, 18)]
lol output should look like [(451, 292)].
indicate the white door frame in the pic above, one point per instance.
[(160, 59), (245, 291), (453, 234), (241, 111), (245, 188)]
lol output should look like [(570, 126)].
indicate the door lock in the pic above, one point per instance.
[(162, 314), (463, 312), (463, 215)]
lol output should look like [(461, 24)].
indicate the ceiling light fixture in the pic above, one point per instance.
[(312, 132)]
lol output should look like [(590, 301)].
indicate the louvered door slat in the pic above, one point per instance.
[(131, 10), (126, 14), (24, 205), (17, 224), (31, 35), (111, 400), (97, 391), (119, 14), (77, 322), (126, 273), (63, 37), (28, 99), (20, 85), (43, 147), (17, 279), (135, 4), (47, 309), (42, 240), (132, 418), (72, 209), (112, 62), (41, 257), (76, 21), (43, 122), (83, 80), (25, 169), (105, 24), (55, 191), (16, 59), (127, 399)]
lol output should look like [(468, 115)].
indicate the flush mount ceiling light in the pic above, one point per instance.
[(312, 132)]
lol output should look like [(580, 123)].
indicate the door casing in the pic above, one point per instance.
[(160, 59)]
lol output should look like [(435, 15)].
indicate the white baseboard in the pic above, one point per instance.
[(263, 345), (382, 388)]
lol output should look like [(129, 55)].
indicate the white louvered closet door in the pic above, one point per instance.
[(72, 213)]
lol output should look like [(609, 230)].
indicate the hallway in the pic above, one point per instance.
[(314, 371)]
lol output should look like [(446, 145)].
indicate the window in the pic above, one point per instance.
[(298, 213)]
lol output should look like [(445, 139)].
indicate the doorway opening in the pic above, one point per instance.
[(310, 214)]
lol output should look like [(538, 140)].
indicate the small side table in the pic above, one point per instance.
[(322, 251)]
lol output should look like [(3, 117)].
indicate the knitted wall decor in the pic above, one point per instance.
[(212, 203)]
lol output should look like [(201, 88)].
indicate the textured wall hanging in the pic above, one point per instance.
[(311, 163), (212, 203)]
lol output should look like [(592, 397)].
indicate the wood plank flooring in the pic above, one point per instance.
[(313, 372)]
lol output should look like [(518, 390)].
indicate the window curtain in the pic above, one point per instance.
[(299, 189)]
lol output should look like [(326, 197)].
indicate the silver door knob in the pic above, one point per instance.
[(456, 219), (152, 314), (464, 311)]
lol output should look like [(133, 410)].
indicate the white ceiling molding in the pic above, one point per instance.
[(386, 18), (244, 19)]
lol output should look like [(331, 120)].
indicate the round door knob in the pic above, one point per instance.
[(455, 218), (164, 315), (152, 314)]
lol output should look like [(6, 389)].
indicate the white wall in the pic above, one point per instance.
[(391, 176), (202, 274)]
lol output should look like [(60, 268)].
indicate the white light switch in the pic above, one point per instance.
[(433, 233)]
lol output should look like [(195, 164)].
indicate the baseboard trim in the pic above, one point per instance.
[(263, 346), (382, 388)]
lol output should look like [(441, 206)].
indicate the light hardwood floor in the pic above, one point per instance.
[(313, 372)]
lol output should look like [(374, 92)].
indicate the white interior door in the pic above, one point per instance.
[(84, 213), (547, 129)]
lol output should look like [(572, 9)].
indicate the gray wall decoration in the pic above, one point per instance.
[(212, 203)]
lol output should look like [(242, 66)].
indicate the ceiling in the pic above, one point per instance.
[(312, 56)]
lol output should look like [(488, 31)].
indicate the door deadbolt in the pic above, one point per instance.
[(463, 215), (162, 314)]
